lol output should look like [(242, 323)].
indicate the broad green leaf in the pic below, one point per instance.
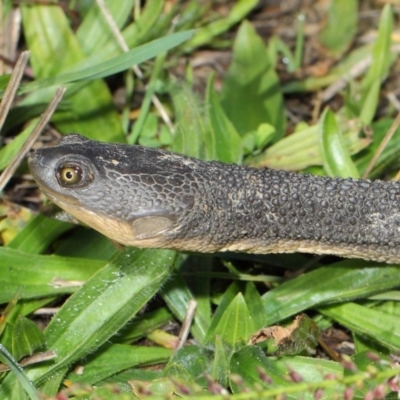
[(302, 149), (335, 157), (103, 306), (338, 282), (40, 276), (189, 364), (377, 325), (226, 300), (39, 234), (87, 243), (192, 136), (116, 358), (343, 13), (251, 92), (26, 338), (226, 140), (236, 325)]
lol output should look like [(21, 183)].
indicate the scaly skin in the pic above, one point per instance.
[(153, 198)]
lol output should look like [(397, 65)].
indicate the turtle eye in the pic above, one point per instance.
[(69, 175)]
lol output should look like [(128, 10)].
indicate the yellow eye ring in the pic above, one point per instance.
[(69, 175)]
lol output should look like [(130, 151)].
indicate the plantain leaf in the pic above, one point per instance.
[(225, 139), (343, 13), (339, 282), (103, 305), (41, 276), (365, 321), (236, 324), (335, 157), (117, 357), (251, 93)]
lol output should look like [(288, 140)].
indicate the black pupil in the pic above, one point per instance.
[(69, 175)]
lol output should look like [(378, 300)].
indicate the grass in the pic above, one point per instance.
[(108, 339)]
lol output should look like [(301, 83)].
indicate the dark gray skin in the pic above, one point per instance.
[(153, 198)]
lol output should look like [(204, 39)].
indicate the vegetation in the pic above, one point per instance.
[(317, 102)]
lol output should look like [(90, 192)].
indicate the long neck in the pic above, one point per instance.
[(265, 211)]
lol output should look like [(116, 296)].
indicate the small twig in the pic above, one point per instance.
[(330, 352), (44, 119), (122, 44), (394, 101), (355, 71), (187, 323), (12, 86), (46, 311), (382, 146)]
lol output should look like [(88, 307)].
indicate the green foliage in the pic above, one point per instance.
[(343, 13), (105, 325), (251, 94), (335, 157)]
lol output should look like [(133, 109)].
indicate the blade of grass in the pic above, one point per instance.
[(113, 65), (19, 373)]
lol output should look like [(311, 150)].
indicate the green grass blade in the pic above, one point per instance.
[(114, 65), (19, 374), (205, 34)]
